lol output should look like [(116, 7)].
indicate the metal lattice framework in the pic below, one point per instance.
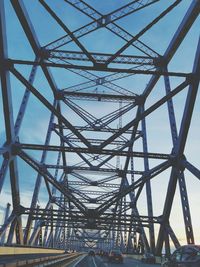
[(95, 166)]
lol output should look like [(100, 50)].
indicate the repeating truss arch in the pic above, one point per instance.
[(95, 123)]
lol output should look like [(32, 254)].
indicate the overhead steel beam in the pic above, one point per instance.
[(101, 57), (49, 106), (65, 28), (146, 176), (28, 28), (66, 140), (98, 96), (100, 20), (88, 189), (110, 17), (40, 169), (123, 48), (93, 169), (94, 150), (176, 41), (104, 218), (99, 67), (146, 112)]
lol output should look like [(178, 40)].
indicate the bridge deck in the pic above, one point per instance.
[(74, 261), (43, 259), (97, 261)]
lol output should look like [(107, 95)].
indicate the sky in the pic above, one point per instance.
[(158, 132)]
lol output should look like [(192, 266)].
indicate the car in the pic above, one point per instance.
[(91, 253), (184, 256), (98, 253), (105, 254), (148, 258), (115, 255)]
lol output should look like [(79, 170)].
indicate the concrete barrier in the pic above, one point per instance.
[(139, 257), (54, 261), (28, 250)]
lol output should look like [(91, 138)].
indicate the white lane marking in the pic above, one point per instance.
[(94, 262), (76, 263), (105, 264)]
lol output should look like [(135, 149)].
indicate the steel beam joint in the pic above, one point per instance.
[(44, 53), (6, 64), (140, 100), (160, 62), (59, 95), (103, 21)]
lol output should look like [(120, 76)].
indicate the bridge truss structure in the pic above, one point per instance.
[(97, 141)]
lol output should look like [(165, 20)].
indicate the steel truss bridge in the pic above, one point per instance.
[(98, 125)]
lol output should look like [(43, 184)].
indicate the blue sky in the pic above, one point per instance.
[(159, 139)]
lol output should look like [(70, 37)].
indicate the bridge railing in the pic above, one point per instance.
[(11, 257)]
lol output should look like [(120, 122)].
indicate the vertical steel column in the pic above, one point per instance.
[(132, 194), (140, 246), (39, 179), (59, 234), (7, 211), (180, 146), (167, 245), (11, 232), (9, 221), (134, 233), (125, 227), (132, 236), (113, 238), (58, 224), (45, 236), (9, 123), (148, 185), (40, 238), (118, 237), (5, 163), (39, 224), (52, 228), (181, 179), (34, 237), (49, 241), (172, 235)]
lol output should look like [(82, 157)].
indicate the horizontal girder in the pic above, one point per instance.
[(93, 150)]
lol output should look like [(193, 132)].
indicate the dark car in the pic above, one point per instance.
[(103, 253), (148, 258), (185, 256), (91, 253), (115, 255)]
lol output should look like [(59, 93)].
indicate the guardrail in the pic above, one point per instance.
[(57, 261), (139, 257), (4, 250)]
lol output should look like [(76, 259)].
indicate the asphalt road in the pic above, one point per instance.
[(97, 261)]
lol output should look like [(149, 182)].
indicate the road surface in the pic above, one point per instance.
[(89, 261)]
